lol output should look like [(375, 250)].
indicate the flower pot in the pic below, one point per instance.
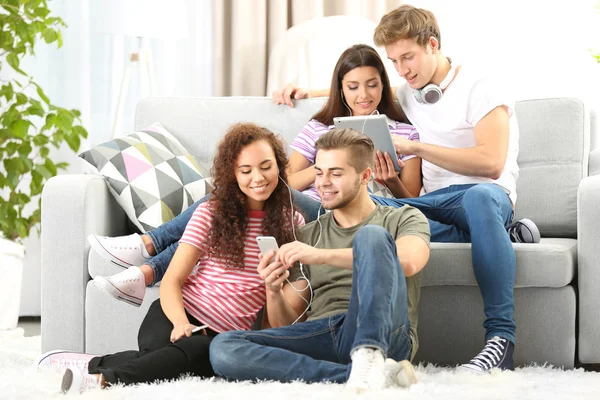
[(11, 272)]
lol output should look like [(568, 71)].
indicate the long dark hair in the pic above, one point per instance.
[(359, 55), (230, 219)]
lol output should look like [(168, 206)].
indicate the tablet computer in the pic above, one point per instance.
[(375, 127)]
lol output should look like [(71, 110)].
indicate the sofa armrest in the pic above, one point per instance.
[(588, 274), (594, 163), (73, 206)]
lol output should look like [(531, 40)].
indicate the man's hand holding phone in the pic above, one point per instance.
[(272, 272)]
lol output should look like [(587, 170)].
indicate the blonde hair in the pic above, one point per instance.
[(360, 146), (407, 22)]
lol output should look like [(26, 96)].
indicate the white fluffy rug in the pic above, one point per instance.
[(20, 380)]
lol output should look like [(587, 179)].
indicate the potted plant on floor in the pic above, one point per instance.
[(30, 125)]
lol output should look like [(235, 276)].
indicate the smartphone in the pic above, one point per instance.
[(266, 244)]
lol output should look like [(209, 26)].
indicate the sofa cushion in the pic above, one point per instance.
[(554, 146), (550, 263), (150, 174)]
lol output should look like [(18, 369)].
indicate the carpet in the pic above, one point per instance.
[(20, 380)]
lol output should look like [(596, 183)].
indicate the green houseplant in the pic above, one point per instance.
[(30, 125), (596, 54)]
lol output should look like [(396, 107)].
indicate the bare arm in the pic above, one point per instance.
[(283, 305), (404, 185), (486, 158), (171, 299), (413, 253), (301, 172), (291, 92)]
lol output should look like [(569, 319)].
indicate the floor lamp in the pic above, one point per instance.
[(142, 19), (139, 62)]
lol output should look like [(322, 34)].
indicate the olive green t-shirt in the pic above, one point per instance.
[(332, 286)]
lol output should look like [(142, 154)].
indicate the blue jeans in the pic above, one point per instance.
[(166, 237), (319, 350), (484, 211)]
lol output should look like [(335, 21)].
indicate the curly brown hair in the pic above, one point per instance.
[(230, 217)]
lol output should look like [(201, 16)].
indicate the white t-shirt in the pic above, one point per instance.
[(451, 123)]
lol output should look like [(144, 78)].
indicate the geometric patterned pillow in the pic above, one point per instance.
[(150, 174), (379, 189)]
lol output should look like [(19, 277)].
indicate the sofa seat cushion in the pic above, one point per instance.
[(550, 263)]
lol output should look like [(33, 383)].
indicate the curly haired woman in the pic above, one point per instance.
[(212, 282)]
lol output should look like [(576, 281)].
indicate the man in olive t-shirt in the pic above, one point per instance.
[(363, 262)]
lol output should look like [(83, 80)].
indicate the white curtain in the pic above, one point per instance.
[(86, 72), (245, 32)]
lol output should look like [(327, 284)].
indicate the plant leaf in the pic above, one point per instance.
[(80, 130), (43, 171), (73, 141), (13, 61), (20, 128), (42, 95)]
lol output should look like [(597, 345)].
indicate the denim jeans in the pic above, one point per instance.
[(166, 237), (484, 211), (319, 350)]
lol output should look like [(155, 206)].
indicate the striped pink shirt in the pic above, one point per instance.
[(304, 143), (224, 298)]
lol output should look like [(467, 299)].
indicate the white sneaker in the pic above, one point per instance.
[(399, 374), (75, 381), (63, 359), (124, 251), (367, 371), (128, 286)]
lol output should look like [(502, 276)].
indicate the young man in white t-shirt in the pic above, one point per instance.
[(469, 146)]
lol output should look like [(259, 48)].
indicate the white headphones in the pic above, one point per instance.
[(432, 93)]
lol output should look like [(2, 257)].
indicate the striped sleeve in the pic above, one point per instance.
[(408, 132), (304, 143), (198, 227), (299, 219)]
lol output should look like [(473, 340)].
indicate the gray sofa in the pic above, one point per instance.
[(557, 295)]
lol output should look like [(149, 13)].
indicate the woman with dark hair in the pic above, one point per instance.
[(359, 86), (212, 284)]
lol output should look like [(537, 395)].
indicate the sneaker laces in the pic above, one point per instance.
[(117, 243), (363, 367), (90, 381), (491, 353), (123, 281), (514, 231), (72, 363)]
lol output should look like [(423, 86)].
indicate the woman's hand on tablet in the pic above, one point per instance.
[(384, 168)]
